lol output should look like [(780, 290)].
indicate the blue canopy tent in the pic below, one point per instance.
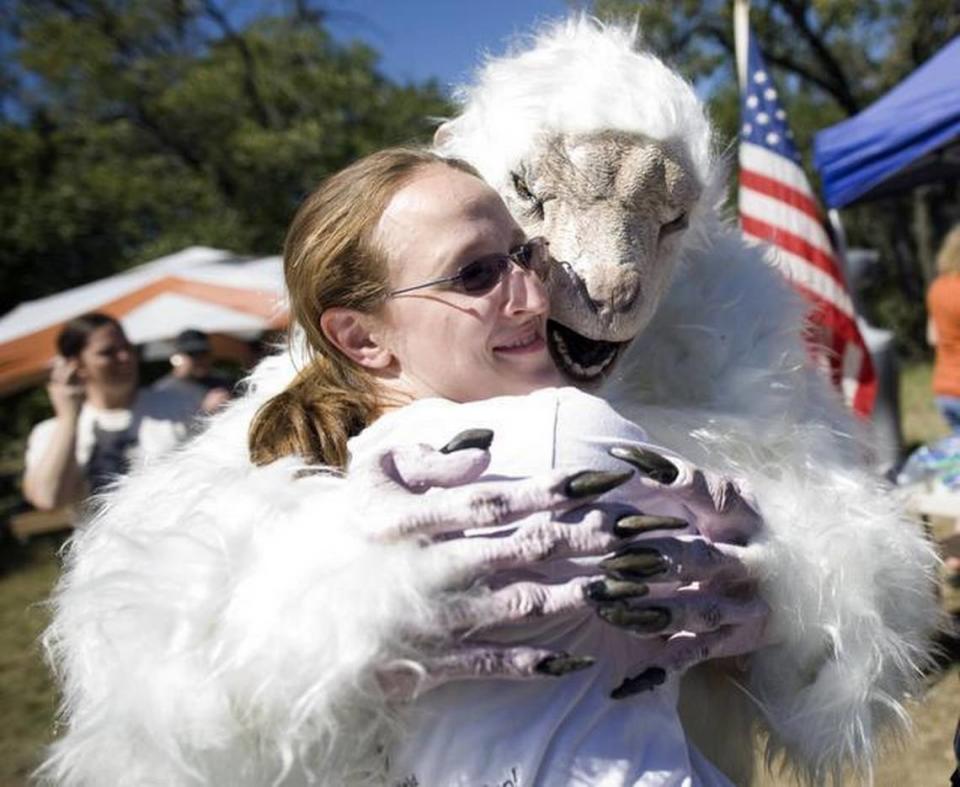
[(907, 137)]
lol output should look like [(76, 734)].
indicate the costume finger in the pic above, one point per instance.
[(533, 541), (673, 560), (722, 509), (696, 614), (419, 467), (520, 601), (406, 680), (653, 464), (496, 503)]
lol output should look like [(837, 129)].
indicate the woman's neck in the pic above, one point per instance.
[(111, 398)]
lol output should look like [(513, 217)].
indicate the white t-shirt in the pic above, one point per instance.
[(110, 442), (554, 732)]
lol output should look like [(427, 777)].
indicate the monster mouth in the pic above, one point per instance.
[(581, 359)]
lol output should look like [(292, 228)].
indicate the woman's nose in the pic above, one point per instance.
[(525, 292)]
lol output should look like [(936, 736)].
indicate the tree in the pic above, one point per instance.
[(133, 128), (831, 59)]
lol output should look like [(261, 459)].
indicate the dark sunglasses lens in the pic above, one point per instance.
[(483, 274), (530, 255), (524, 256)]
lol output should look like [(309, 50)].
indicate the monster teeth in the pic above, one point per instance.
[(585, 372)]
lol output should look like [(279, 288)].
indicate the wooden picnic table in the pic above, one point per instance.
[(35, 523)]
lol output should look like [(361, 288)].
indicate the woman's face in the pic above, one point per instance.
[(446, 342), (108, 360)]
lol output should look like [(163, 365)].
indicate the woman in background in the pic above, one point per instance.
[(943, 329), (101, 423), (943, 332)]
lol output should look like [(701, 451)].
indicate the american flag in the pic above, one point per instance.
[(778, 207)]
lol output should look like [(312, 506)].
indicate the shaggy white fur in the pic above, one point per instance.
[(220, 624)]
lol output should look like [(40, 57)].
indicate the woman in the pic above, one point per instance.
[(102, 423), (943, 333), (943, 329), (224, 622)]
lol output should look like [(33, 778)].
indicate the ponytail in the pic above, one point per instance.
[(315, 416)]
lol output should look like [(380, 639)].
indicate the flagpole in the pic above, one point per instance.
[(840, 241), (741, 32)]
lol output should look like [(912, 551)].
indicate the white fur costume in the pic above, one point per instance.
[(220, 623)]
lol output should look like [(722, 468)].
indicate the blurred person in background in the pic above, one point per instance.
[(102, 423), (943, 333), (943, 329), (192, 381)]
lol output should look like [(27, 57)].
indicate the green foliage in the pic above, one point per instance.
[(133, 128), (831, 58)]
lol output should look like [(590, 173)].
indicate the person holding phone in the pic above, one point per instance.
[(101, 422)]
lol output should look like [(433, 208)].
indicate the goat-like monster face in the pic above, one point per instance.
[(614, 207)]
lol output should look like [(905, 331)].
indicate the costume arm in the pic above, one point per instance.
[(220, 623), (851, 581)]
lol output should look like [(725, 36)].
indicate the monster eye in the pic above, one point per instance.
[(520, 186), (535, 205), (675, 225)]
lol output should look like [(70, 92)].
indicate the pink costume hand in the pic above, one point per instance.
[(431, 496), (702, 603)]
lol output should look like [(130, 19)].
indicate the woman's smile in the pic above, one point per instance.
[(527, 342)]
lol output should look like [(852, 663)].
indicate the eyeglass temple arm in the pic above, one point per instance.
[(445, 280)]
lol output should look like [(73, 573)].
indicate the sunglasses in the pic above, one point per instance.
[(482, 275)]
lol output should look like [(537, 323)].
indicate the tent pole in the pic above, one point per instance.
[(840, 239)]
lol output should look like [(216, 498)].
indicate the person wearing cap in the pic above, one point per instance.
[(192, 383)]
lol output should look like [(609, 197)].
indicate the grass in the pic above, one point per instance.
[(27, 696), (920, 419)]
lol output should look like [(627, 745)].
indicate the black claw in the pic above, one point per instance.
[(593, 482), (643, 620), (647, 680), (635, 562), (614, 590), (469, 438), (650, 463), (563, 664), (635, 524)]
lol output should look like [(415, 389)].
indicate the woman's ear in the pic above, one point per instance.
[(351, 332)]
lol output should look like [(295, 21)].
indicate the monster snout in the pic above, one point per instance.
[(612, 290)]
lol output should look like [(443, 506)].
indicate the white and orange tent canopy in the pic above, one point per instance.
[(209, 289)]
